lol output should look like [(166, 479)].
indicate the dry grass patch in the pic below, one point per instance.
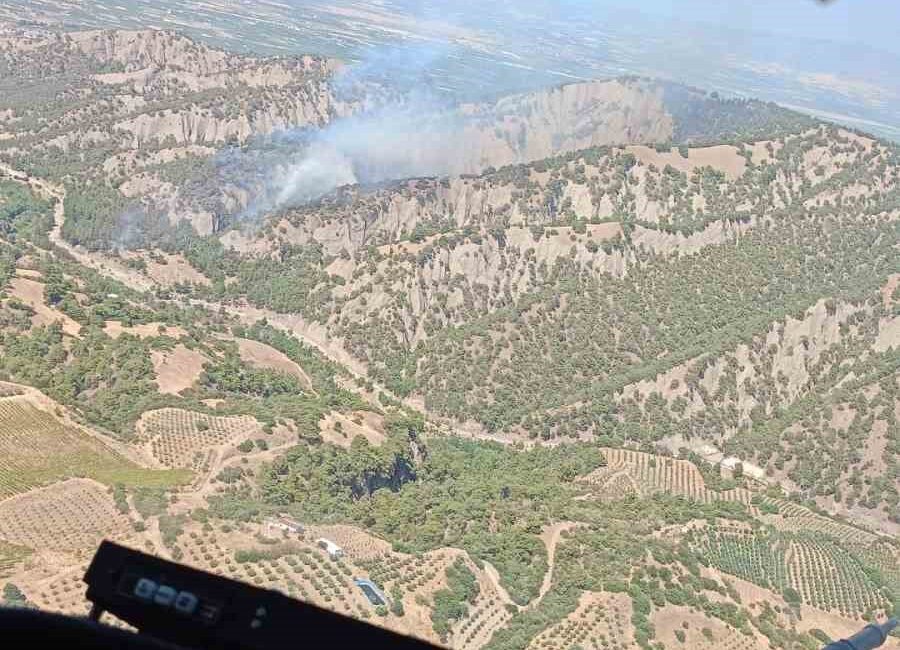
[(31, 293), (167, 270), (698, 631), (176, 369), (261, 355), (115, 329), (724, 158), (340, 429)]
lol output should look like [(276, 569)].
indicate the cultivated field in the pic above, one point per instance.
[(824, 575), (602, 621), (37, 448), (72, 515), (187, 439), (10, 556), (793, 516), (628, 472)]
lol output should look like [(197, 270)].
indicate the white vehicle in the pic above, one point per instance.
[(334, 551)]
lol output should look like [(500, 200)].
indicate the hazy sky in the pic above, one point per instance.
[(874, 22)]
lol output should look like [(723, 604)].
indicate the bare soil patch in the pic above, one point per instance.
[(169, 269), (31, 293), (261, 355), (887, 292), (700, 631), (724, 158), (177, 369), (888, 334)]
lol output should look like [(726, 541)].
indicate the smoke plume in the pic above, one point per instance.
[(400, 128)]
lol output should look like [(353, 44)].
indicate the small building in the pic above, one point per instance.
[(709, 453), (372, 592), (748, 469), (283, 524), (334, 551)]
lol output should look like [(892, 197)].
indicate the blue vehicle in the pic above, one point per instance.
[(372, 592)]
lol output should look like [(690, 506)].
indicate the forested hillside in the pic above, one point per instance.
[(622, 373), (590, 294)]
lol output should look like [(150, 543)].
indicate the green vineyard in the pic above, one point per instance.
[(36, 449), (756, 557), (813, 570), (830, 578)]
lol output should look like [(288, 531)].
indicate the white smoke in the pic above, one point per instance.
[(322, 169), (400, 128)]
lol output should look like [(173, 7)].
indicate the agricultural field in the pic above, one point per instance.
[(73, 515), (178, 438), (792, 516), (486, 614), (38, 447), (831, 579), (602, 621), (634, 472), (806, 569), (463, 380), (62, 592), (295, 567), (10, 556), (749, 554)]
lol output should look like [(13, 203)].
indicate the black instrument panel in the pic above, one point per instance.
[(193, 608)]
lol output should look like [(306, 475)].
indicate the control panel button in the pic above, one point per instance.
[(260, 612), (208, 612), (145, 589), (185, 603), (255, 624), (165, 595)]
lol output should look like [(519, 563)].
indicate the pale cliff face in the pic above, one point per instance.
[(523, 128)]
